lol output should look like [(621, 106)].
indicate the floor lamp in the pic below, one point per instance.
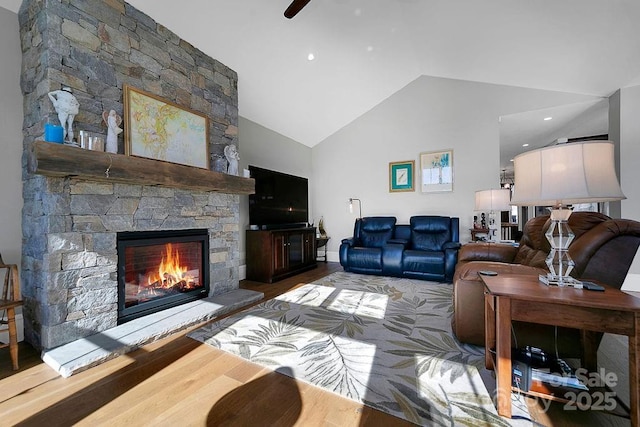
[(562, 175), (493, 201), (351, 200)]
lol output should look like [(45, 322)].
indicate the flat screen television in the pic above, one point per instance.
[(280, 199)]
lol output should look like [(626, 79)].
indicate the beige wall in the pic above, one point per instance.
[(429, 114), (267, 149), (613, 355), (10, 138), (629, 155), (630, 151)]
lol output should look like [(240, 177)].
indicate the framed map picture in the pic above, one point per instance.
[(158, 129), (401, 176), (436, 169)]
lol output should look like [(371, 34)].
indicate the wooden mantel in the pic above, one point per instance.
[(59, 160)]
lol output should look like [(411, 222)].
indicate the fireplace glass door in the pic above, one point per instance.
[(158, 270)]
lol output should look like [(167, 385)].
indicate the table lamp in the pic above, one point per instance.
[(561, 175), (492, 201)]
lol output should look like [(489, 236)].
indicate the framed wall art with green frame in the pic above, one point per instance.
[(402, 176)]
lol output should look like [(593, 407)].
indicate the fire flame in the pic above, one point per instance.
[(170, 272)]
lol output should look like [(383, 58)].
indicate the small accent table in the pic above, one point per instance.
[(484, 232), (321, 242), (524, 298)]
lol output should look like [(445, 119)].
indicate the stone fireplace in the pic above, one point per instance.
[(74, 208)]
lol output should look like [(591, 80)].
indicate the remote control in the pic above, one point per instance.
[(592, 286), (488, 273)]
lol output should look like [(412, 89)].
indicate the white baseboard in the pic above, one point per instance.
[(4, 335)]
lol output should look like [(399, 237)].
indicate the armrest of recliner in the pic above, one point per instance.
[(352, 241), (403, 242), (451, 250), (451, 245), (482, 251), (345, 245), (392, 258)]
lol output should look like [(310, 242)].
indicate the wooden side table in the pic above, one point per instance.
[(321, 242), (524, 298), (475, 231)]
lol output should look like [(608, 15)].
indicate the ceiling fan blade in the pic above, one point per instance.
[(295, 7)]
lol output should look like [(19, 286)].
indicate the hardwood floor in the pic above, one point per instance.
[(179, 381), (176, 381)]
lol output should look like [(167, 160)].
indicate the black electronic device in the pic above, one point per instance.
[(532, 356), (521, 375), (592, 286), (531, 367), (536, 358), (280, 200)]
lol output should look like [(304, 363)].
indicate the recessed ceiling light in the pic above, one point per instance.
[(311, 57), (511, 160), (547, 118), (525, 145)]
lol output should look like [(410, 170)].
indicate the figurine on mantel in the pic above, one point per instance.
[(113, 121), (67, 106), (231, 153)]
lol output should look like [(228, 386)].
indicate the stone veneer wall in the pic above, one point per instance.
[(69, 225)]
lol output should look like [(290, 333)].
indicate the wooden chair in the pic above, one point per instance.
[(9, 300)]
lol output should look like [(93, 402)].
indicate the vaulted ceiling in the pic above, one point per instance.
[(365, 50)]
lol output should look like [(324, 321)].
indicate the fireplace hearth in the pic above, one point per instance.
[(160, 269)]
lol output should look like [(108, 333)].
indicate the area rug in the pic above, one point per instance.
[(385, 342)]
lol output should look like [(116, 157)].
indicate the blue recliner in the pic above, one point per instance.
[(363, 252), (425, 249), (433, 252)]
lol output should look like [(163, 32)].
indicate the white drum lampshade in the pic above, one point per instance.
[(561, 175)]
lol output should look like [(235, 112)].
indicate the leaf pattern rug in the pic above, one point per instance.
[(385, 342)]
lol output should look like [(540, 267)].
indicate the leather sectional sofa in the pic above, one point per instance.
[(426, 248), (603, 250)]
